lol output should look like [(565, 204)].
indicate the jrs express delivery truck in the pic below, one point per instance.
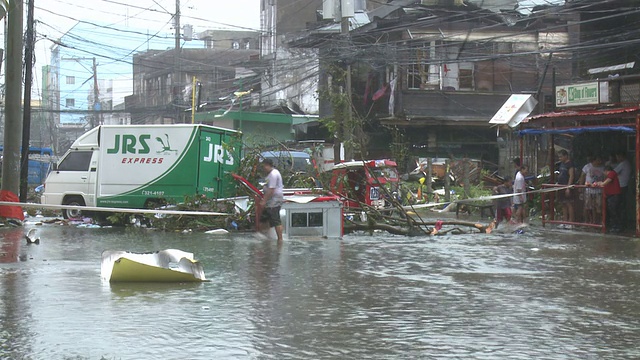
[(138, 166)]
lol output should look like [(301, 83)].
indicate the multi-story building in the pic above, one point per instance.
[(290, 76), (90, 70), (437, 71), (230, 39), (162, 83)]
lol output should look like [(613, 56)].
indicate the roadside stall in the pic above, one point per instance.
[(613, 128)]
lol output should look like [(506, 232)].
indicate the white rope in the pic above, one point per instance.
[(486, 198), (109, 209)]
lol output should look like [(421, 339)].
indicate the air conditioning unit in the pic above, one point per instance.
[(330, 9)]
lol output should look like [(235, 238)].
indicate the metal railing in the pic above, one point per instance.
[(549, 206)]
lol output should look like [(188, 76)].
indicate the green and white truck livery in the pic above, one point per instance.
[(136, 166)]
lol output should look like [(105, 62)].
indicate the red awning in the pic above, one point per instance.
[(585, 113)]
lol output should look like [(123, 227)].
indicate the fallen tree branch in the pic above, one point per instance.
[(391, 229), (419, 228), (481, 227)]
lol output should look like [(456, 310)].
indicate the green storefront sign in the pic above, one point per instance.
[(578, 95)]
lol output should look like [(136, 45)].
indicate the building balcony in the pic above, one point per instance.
[(420, 107)]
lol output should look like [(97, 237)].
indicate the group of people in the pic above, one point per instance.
[(611, 177), (517, 201)]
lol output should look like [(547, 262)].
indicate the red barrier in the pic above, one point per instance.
[(10, 212)]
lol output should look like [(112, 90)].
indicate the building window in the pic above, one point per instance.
[(424, 74), (235, 45), (71, 80), (415, 76), (70, 102), (423, 77), (503, 48), (465, 79), (208, 43), (247, 45)]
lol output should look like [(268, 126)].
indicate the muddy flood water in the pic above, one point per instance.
[(537, 295)]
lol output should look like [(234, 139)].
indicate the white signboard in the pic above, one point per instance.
[(514, 110)]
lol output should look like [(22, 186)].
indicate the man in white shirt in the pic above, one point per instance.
[(592, 172), (273, 198), (519, 197), (623, 169)]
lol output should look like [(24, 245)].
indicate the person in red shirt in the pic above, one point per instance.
[(613, 193)]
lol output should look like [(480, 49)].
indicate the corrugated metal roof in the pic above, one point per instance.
[(567, 114)]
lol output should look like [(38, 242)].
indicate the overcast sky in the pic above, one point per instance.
[(55, 17)]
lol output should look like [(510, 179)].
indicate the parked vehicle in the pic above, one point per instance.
[(40, 160), (141, 166), (291, 161), (360, 182)]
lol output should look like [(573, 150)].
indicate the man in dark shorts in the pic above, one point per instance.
[(566, 176), (273, 198)]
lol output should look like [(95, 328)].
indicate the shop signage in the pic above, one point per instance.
[(578, 94)]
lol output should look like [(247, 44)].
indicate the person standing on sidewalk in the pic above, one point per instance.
[(273, 198), (613, 193), (592, 172), (567, 176), (623, 169)]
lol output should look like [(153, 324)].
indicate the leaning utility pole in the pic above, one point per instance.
[(341, 11), (13, 81), (26, 119), (176, 59), (347, 123), (95, 121)]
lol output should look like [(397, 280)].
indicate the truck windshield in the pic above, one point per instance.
[(76, 161)]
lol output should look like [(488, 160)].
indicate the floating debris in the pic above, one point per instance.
[(32, 237), (169, 265)]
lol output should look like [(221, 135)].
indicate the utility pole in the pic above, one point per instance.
[(13, 118), (177, 25), (26, 119), (176, 59), (97, 105), (347, 131), (341, 11)]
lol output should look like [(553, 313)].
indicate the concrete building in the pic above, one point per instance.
[(290, 78), (230, 39), (428, 76), (292, 73), (162, 93), (74, 99)]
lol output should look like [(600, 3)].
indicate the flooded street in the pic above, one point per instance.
[(504, 296)]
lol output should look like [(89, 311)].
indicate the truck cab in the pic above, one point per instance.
[(72, 181)]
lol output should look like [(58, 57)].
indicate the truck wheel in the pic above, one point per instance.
[(74, 213)]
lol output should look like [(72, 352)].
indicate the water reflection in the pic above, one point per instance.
[(125, 290), (15, 315), (537, 295)]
